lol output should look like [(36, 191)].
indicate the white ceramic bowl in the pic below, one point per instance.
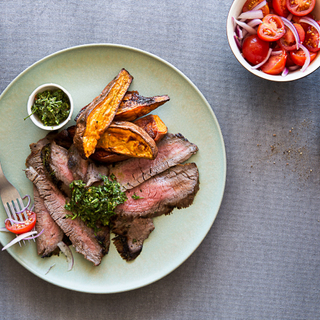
[(35, 119), (235, 11)]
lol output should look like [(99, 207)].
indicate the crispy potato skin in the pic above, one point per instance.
[(126, 138), (153, 125), (99, 114), (134, 106)]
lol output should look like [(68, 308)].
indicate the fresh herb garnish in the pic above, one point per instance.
[(51, 106), (95, 205), (136, 197)]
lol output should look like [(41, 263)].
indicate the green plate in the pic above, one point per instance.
[(84, 71)]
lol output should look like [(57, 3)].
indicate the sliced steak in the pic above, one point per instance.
[(130, 235), (94, 173), (52, 234), (174, 188), (55, 160), (173, 149), (76, 164), (81, 236)]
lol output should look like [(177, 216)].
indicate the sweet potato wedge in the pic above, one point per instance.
[(126, 138), (99, 114), (134, 106), (153, 125)]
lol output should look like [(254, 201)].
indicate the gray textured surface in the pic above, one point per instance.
[(261, 258)]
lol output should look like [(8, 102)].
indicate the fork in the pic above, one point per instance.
[(11, 199)]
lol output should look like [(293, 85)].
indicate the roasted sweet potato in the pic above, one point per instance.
[(98, 115), (126, 138), (153, 125), (134, 106)]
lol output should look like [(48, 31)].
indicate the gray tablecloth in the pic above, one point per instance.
[(260, 260)]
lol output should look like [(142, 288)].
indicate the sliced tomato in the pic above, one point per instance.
[(311, 41), (288, 41), (275, 64), (280, 7), (300, 7), (289, 62), (254, 50), (27, 226), (299, 58), (271, 28), (250, 4)]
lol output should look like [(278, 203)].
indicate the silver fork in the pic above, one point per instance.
[(11, 199)]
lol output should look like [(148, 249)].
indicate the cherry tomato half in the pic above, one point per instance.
[(250, 4), (288, 41), (299, 58), (280, 7), (275, 63), (271, 28), (254, 50), (300, 7), (311, 41), (27, 226)]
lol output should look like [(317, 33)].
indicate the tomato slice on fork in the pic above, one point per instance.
[(271, 28), (25, 225)]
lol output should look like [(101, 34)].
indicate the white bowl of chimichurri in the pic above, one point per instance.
[(50, 106)]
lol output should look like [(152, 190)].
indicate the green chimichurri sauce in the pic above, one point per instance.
[(51, 106), (95, 205)]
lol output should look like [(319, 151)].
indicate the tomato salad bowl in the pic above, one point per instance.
[(277, 40)]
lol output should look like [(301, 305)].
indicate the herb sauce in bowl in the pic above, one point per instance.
[(50, 106)]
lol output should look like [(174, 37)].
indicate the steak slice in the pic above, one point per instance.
[(81, 236), (174, 188), (173, 149), (76, 164), (55, 160), (52, 234), (130, 235)]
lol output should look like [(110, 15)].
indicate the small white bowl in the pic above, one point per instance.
[(35, 119), (235, 11)]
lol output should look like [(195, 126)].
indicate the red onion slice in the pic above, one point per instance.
[(307, 54), (264, 61), (275, 53), (260, 5), (14, 221), (293, 29), (36, 236), (285, 72), (253, 14), (19, 238), (294, 68), (312, 23), (238, 32), (238, 43), (245, 26), (4, 229), (27, 206), (68, 253), (50, 268), (255, 22)]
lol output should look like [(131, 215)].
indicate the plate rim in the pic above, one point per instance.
[(224, 158)]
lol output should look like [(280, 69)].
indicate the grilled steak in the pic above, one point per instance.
[(52, 234), (55, 160), (94, 173), (173, 149), (81, 236), (76, 164), (174, 188), (131, 235)]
